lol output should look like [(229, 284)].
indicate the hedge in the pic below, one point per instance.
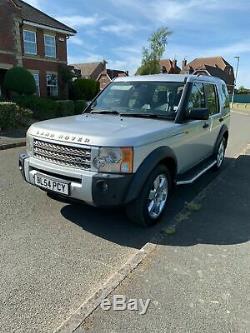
[(44, 108), (7, 115), (80, 105), (65, 108)]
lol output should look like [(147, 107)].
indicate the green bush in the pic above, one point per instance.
[(80, 105), (85, 89), (7, 115), (42, 108), (65, 108), (20, 81)]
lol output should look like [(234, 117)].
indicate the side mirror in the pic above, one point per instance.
[(199, 114)]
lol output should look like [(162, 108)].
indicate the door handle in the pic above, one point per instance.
[(221, 119), (206, 125)]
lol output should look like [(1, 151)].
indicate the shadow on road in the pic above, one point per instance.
[(224, 218), (113, 225)]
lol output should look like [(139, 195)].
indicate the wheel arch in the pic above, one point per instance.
[(162, 155), (224, 132)]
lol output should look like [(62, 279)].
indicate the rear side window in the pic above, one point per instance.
[(212, 98), (225, 97), (197, 97)]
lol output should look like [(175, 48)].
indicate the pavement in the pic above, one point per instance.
[(54, 255), (12, 138), (198, 280)]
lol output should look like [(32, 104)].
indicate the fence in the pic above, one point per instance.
[(241, 98)]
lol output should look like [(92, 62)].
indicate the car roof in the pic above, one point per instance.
[(169, 78)]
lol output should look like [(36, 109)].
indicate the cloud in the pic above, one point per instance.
[(119, 28), (162, 11), (34, 3), (233, 49), (76, 40), (78, 21)]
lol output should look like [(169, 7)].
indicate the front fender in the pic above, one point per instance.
[(146, 167)]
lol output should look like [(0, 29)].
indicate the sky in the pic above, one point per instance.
[(117, 30)]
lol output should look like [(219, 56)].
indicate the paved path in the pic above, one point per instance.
[(12, 137), (198, 280), (53, 255)]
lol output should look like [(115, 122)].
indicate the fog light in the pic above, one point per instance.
[(103, 186)]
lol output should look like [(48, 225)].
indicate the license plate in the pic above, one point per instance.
[(52, 184)]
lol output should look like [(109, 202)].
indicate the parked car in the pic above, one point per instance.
[(136, 140)]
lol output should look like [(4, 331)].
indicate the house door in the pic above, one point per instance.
[(2, 74)]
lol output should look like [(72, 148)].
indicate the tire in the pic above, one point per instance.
[(220, 154), (144, 210)]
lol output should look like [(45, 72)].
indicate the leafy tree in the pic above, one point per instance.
[(20, 81), (152, 55), (242, 90)]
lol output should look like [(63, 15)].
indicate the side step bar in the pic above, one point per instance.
[(189, 180)]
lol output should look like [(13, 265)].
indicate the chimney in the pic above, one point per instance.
[(175, 63), (184, 64)]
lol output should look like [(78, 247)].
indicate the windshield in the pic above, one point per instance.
[(140, 99)]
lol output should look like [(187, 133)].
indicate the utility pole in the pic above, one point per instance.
[(236, 75)]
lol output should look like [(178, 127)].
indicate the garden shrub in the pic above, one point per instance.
[(85, 89), (20, 81), (65, 108), (80, 105), (42, 108), (7, 115)]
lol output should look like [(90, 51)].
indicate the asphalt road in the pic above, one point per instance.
[(53, 255), (198, 279)]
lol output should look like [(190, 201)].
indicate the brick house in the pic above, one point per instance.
[(169, 66), (97, 71), (215, 66), (108, 75), (90, 70), (36, 41)]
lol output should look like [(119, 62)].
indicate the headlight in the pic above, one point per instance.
[(29, 144), (114, 160)]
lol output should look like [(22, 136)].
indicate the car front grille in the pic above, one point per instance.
[(62, 155)]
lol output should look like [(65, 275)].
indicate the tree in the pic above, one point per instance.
[(242, 90), (152, 55), (84, 89), (20, 81)]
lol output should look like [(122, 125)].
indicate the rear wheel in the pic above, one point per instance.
[(152, 200), (220, 154)]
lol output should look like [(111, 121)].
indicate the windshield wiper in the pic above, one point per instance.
[(101, 111), (146, 115)]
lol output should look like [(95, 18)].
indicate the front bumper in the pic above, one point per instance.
[(96, 189)]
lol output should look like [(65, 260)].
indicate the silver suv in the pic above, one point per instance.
[(140, 136)]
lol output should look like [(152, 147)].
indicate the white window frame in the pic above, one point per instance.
[(46, 45), (52, 86), (25, 41), (37, 83)]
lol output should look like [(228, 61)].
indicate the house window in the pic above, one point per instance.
[(50, 46), (52, 84), (29, 42), (36, 78)]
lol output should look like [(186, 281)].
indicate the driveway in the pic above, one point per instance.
[(53, 255)]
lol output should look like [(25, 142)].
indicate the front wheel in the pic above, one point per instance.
[(149, 206)]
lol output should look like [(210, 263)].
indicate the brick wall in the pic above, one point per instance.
[(8, 12), (12, 46)]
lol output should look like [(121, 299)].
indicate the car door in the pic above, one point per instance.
[(196, 143), (215, 116)]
